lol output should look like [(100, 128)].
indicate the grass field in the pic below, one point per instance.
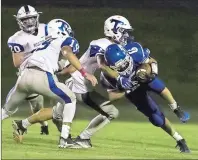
[(121, 139)]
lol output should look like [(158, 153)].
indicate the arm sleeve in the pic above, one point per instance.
[(15, 46), (73, 43), (96, 50)]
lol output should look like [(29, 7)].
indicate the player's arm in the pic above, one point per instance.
[(67, 70), (17, 59), (17, 53), (102, 65), (115, 95), (123, 81), (146, 58), (68, 49)]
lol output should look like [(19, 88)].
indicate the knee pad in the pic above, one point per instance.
[(111, 110), (58, 111), (157, 119)]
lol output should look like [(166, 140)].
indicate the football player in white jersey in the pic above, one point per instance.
[(21, 45), (37, 76)]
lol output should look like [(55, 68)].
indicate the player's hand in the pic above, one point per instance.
[(124, 82), (182, 115), (91, 78)]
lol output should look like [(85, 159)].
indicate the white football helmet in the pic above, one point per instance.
[(117, 27), (28, 18), (62, 26)]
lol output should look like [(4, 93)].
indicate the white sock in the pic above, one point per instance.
[(177, 137), (95, 125), (173, 106), (69, 112), (26, 123), (65, 131), (4, 114)]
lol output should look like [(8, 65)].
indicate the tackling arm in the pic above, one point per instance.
[(101, 62), (115, 95), (74, 61)]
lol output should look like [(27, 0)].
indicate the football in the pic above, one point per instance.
[(143, 72)]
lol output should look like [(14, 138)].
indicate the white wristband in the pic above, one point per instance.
[(154, 68)]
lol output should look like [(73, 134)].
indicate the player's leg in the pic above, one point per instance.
[(44, 84), (60, 92), (159, 87), (149, 108), (16, 97), (107, 112), (43, 114), (5, 113), (36, 103)]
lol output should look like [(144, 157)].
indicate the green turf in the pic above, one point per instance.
[(118, 140)]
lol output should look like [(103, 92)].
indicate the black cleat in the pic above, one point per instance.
[(44, 130), (67, 143), (181, 144), (19, 130), (84, 143)]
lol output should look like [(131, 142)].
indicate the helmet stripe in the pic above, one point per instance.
[(26, 8)]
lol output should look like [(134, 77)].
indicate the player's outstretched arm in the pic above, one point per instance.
[(101, 62), (115, 95), (71, 57), (67, 70)]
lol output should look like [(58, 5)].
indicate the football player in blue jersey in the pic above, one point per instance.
[(117, 30), (135, 86)]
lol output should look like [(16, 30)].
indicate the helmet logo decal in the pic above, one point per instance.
[(116, 22), (63, 25)]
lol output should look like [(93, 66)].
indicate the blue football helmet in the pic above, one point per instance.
[(118, 59)]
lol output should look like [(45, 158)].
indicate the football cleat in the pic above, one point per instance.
[(182, 115), (44, 130), (67, 143), (19, 130), (84, 143), (181, 144)]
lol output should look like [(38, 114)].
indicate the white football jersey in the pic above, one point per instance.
[(46, 55), (25, 42), (89, 63)]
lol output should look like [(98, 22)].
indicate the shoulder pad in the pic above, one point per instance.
[(99, 46), (137, 52), (72, 42), (16, 42)]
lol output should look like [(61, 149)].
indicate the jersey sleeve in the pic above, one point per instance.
[(96, 50), (73, 43), (138, 53), (15, 45)]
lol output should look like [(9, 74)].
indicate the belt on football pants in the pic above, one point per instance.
[(36, 68)]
